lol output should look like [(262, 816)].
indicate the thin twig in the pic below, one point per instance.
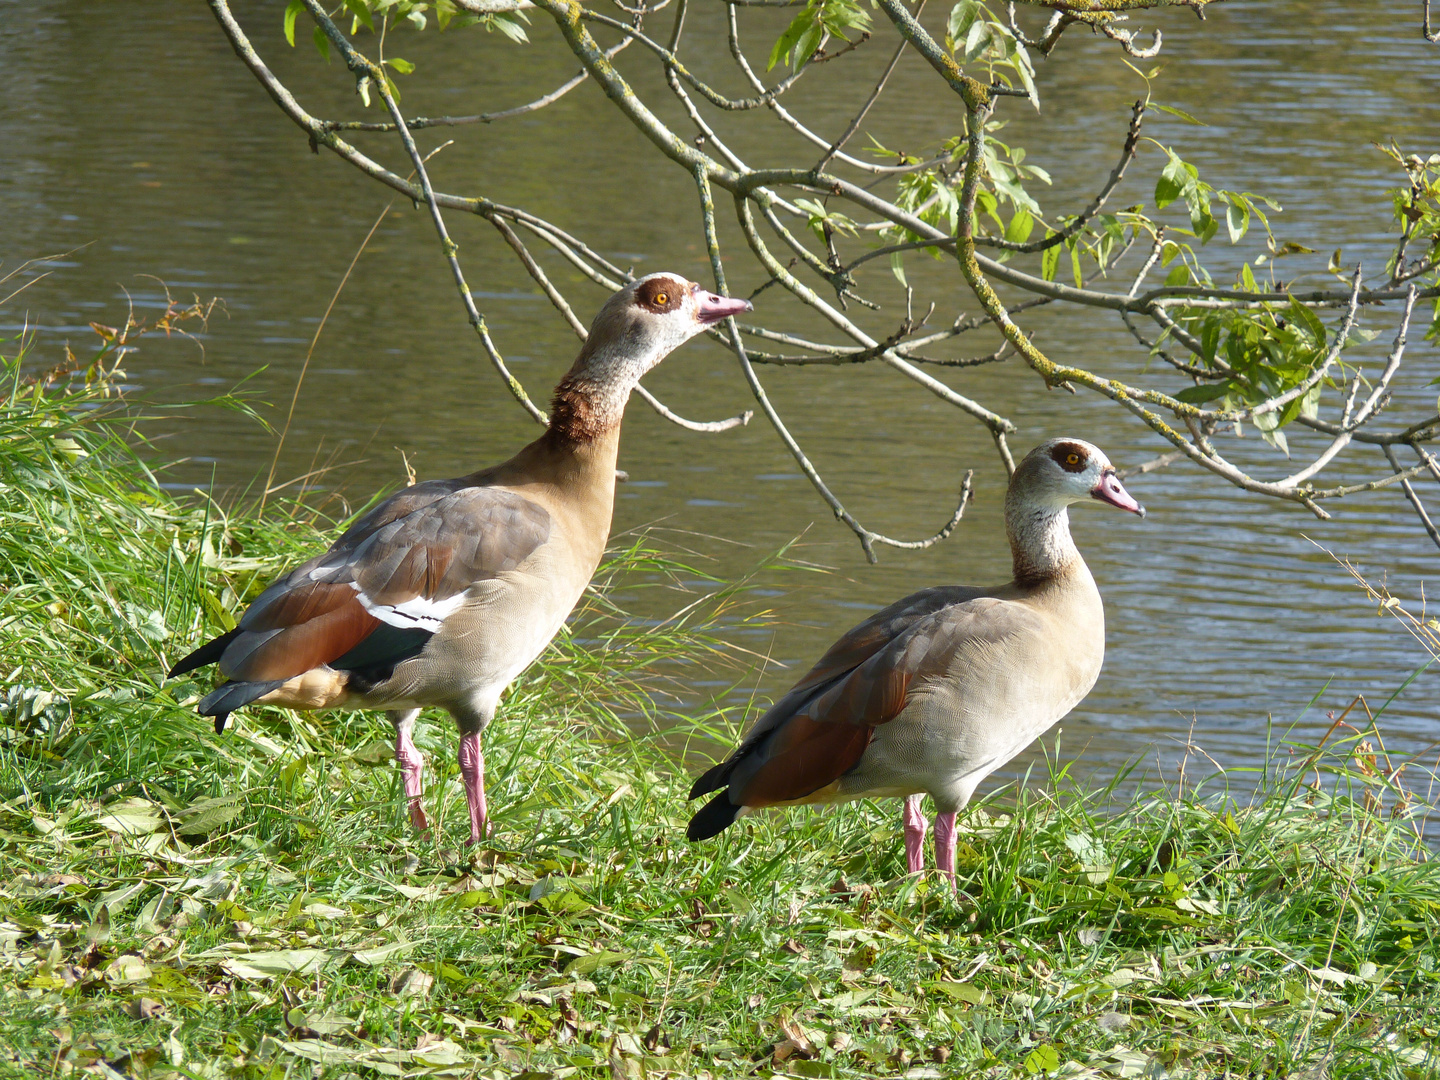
[(418, 123), (839, 144), (365, 69), (1410, 494)]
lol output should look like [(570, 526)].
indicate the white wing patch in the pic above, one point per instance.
[(418, 612)]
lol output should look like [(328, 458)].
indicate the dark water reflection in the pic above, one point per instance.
[(160, 152)]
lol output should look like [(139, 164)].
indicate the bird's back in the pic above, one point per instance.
[(996, 672)]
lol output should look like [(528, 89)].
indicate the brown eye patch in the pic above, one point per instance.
[(1070, 456), (660, 295)]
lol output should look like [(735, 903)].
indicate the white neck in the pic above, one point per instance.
[(1040, 542)]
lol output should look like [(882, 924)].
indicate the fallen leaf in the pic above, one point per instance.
[(1124, 977), (132, 817), (381, 953), (412, 982), (1334, 975), (127, 968), (216, 885), (439, 1054), (584, 965), (1202, 907), (143, 1008), (259, 966), (966, 992), (375, 753), (204, 816), (1113, 1021), (324, 911), (410, 892)]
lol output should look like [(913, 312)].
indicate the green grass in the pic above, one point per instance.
[(173, 903)]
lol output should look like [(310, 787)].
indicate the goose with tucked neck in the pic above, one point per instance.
[(446, 591), (935, 692)]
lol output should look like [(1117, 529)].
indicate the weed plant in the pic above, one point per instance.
[(176, 903)]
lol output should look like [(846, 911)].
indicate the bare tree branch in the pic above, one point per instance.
[(363, 69), (419, 122), (837, 215)]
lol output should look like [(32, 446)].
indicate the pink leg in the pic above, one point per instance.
[(945, 844), (472, 771), (411, 764), (914, 834)]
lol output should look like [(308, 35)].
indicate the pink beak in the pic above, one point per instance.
[(1111, 491), (710, 307)]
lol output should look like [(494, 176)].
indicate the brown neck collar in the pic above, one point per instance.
[(583, 411)]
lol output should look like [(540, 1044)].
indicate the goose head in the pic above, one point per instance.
[(1051, 478), (647, 320), (1060, 472)]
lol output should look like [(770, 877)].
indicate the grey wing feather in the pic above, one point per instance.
[(859, 644), (862, 646), (428, 543)]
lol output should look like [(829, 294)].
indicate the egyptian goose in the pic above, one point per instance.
[(447, 590), (935, 692)]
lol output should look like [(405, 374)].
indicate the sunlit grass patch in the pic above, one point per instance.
[(176, 903)]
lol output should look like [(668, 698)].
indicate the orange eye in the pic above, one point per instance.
[(661, 299), (1072, 459)]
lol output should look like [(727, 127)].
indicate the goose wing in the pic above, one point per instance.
[(819, 730), (383, 589)]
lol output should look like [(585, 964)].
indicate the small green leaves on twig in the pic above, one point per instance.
[(820, 218), (975, 33), (1181, 180), (808, 31), (412, 13)]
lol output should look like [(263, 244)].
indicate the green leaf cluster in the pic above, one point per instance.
[(411, 13), (975, 35), (818, 20), (1180, 180), (821, 217), (1417, 213), (1269, 351)]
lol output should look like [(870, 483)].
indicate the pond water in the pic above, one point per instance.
[(141, 142)]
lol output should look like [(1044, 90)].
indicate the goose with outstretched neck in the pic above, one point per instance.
[(935, 692), (447, 590)]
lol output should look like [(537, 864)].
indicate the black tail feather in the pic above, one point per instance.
[(227, 697), (713, 818), (220, 718), (205, 654), (712, 779)]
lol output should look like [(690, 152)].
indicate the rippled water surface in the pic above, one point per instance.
[(144, 140)]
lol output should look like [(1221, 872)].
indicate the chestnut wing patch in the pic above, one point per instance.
[(831, 673), (387, 584), (857, 645), (790, 756)]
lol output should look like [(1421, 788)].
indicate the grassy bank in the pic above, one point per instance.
[(173, 903)]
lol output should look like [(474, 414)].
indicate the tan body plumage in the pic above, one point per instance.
[(932, 694), (446, 591)]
